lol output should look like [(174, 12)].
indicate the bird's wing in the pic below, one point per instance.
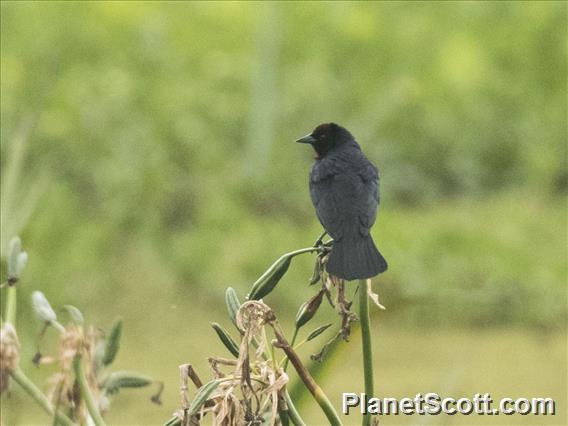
[(326, 200), (346, 202), (368, 199)]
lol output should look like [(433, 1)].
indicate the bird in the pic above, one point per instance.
[(344, 188)]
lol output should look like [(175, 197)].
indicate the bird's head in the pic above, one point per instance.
[(326, 137)]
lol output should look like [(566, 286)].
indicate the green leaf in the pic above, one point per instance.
[(226, 339), (125, 379), (318, 331), (174, 421), (233, 304), (266, 283), (202, 396), (113, 342)]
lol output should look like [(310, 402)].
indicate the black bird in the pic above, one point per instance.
[(344, 186)]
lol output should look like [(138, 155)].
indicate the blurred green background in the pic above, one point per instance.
[(148, 163)]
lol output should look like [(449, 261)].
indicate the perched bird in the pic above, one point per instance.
[(344, 187)]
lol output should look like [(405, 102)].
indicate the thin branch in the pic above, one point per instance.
[(86, 392), (11, 299), (26, 384), (292, 411)]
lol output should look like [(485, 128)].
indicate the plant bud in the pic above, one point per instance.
[(113, 342), (266, 283), (75, 314), (125, 379), (226, 339), (17, 260), (21, 263), (233, 304), (309, 309), (42, 308)]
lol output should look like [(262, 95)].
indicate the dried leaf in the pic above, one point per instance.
[(373, 296)]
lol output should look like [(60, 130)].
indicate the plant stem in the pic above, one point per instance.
[(86, 392), (26, 384), (301, 251), (317, 392), (367, 344), (283, 413), (292, 343), (11, 299), (293, 412)]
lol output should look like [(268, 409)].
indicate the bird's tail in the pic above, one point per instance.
[(352, 260)]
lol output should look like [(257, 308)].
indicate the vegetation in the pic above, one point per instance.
[(148, 163)]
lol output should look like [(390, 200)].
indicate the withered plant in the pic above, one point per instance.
[(251, 387), (82, 386)]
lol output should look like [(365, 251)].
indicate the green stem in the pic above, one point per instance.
[(26, 384), (367, 344), (317, 392), (11, 299), (173, 421), (86, 392), (293, 412), (300, 251), (327, 408), (284, 417)]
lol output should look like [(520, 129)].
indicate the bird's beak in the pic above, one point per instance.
[(306, 139)]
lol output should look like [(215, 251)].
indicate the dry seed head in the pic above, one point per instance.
[(252, 315), (69, 345), (62, 381), (73, 341), (89, 348), (9, 354)]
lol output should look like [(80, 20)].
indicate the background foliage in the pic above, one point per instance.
[(151, 150)]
